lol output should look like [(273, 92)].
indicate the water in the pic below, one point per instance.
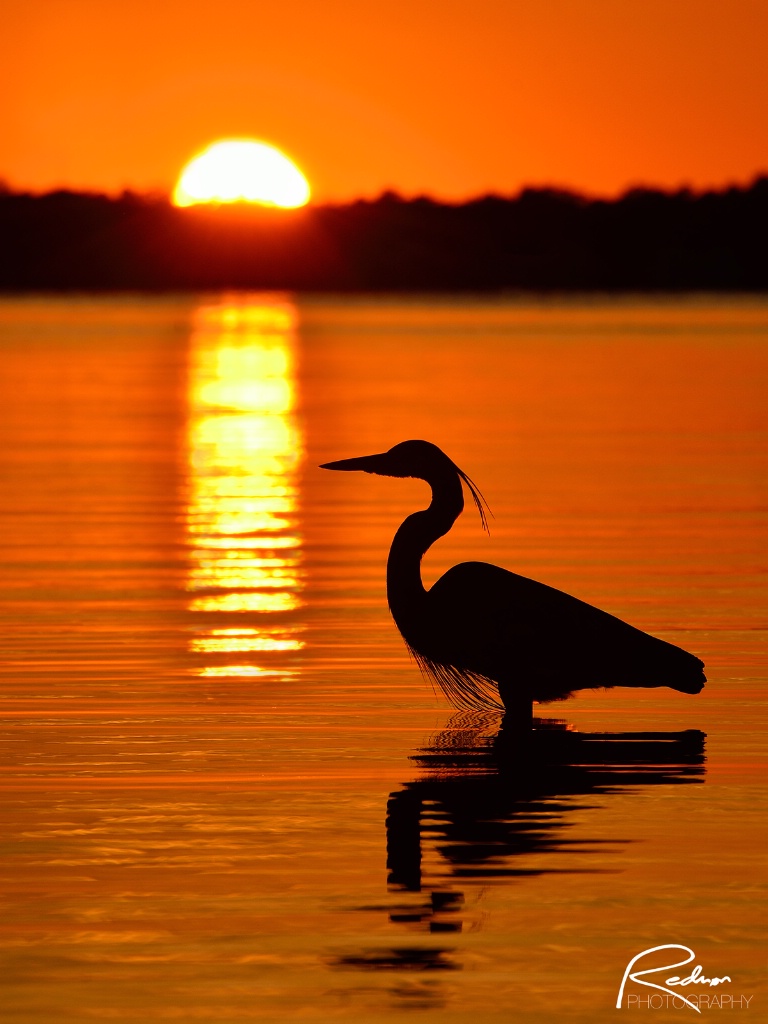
[(228, 794)]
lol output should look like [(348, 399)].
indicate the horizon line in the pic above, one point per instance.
[(393, 195)]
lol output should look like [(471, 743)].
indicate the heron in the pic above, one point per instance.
[(491, 639)]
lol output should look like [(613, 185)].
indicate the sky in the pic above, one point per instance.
[(449, 98)]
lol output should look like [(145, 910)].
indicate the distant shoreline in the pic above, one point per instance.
[(543, 240)]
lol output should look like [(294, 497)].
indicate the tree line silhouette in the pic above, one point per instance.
[(541, 239)]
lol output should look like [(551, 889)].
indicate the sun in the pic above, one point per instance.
[(241, 171)]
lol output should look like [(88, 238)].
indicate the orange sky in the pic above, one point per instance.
[(447, 97)]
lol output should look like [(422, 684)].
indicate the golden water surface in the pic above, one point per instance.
[(227, 794)]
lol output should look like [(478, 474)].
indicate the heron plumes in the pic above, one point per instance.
[(464, 689), (477, 496)]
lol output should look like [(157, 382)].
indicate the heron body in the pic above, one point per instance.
[(489, 637)]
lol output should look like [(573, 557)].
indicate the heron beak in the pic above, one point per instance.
[(364, 464)]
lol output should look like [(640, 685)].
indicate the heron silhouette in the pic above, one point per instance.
[(490, 638)]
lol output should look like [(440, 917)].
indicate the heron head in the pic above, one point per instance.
[(420, 459)]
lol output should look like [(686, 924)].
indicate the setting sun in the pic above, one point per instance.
[(241, 171)]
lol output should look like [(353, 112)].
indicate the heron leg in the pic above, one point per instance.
[(518, 709)]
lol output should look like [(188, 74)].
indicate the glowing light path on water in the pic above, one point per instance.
[(245, 446)]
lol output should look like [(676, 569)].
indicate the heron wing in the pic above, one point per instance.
[(509, 627)]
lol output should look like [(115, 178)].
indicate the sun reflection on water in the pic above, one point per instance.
[(245, 448)]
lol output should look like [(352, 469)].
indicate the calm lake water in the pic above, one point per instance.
[(227, 793)]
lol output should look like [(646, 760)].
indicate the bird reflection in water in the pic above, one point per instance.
[(492, 808)]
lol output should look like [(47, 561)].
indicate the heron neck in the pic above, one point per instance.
[(414, 537)]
